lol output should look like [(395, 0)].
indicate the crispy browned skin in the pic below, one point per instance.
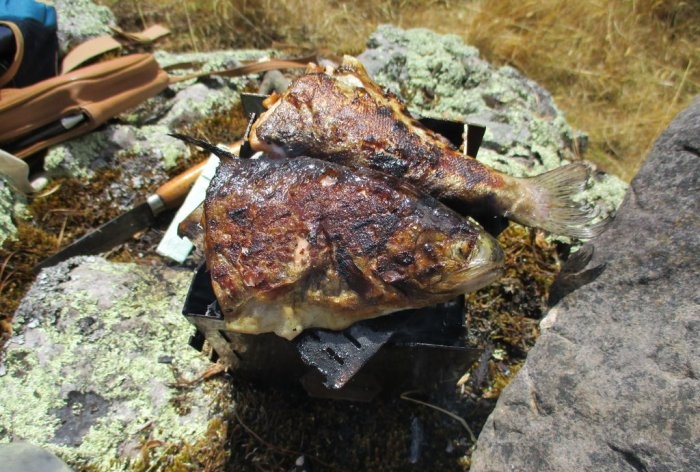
[(321, 115), (297, 243), (344, 117)]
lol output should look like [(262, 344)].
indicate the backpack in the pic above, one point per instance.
[(28, 42)]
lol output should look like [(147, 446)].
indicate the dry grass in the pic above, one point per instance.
[(619, 69)]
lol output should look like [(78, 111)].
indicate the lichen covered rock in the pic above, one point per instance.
[(441, 77), (80, 20), (92, 370), (12, 204)]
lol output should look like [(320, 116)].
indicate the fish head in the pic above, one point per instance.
[(478, 263), (450, 263)]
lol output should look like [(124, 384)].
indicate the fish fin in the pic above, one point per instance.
[(552, 207), (217, 151)]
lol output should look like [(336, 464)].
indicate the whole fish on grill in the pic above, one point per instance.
[(298, 243), (342, 116)]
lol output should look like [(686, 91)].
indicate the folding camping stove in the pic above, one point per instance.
[(407, 350), (403, 351)]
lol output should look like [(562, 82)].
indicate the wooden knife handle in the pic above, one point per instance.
[(173, 192)]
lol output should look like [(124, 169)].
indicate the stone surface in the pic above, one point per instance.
[(612, 383), (90, 372), (25, 457), (441, 77), (80, 20)]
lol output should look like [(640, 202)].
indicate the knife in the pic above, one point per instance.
[(120, 229)]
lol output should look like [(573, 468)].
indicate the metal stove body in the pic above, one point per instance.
[(407, 350)]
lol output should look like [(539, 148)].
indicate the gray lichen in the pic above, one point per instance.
[(80, 156), (439, 76), (12, 206), (106, 341), (79, 20)]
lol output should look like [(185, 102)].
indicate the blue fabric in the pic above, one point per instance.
[(15, 10), (37, 23)]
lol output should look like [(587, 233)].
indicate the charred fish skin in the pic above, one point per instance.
[(345, 117), (299, 243)]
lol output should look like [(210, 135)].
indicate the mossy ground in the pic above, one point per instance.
[(504, 316), (64, 211)]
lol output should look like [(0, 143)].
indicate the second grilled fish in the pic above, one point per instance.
[(344, 117)]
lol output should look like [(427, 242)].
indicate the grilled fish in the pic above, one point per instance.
[(342, 116), (298, 243)]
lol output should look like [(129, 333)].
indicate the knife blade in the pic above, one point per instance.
[(123, 227)]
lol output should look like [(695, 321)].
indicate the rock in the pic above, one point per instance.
[(439, 76), (80, 20), (613, 381), (83, 374), (274, 81), (25, 457)]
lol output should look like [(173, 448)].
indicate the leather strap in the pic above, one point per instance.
[(147, 36), (11, 71), (100, 45), (252, 68), (87, 51)]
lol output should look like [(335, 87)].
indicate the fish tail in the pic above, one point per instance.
[(546, 201)]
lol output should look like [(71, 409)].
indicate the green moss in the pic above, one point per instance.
[(608, 191), (82, 19), (154, 140)]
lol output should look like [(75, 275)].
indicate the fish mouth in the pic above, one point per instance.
[(485, 265)]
